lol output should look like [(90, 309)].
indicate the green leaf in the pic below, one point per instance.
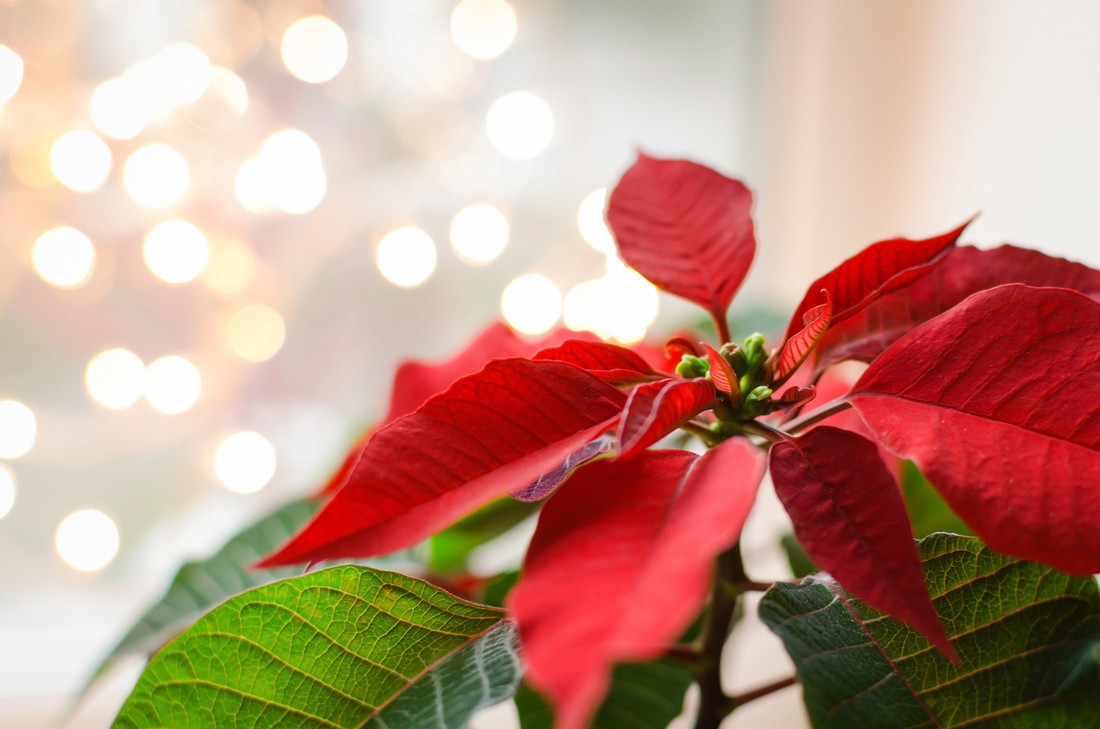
[(927, 509), (451, 547), (1027, 635), (642, 696), (344, 647), (800, 562)]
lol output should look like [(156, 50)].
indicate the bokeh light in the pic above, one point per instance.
[(244, 462), (121, 107), (621, 305), (520, 125), (29, 157), (115, 378), (256, 332), (314, 49), (176, 251), (156, 175), (483, 28), (80, 160), (231, 89), (231, 267), (590, 220), (406, 256), (87, 540), (63, 257), (531, 303), (479, 233), (18, 429), (172, 384), (7, 490), (180, 73), (11, 73), (286, 174)]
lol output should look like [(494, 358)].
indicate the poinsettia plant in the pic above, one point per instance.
[(983, 372)]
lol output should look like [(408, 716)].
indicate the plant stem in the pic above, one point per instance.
[(714, 705), (805, 421), (763, 691), (764, 430), (707, 435), (723, 329)]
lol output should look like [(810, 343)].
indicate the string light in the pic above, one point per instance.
[(18, 429), (11, 73), (172, 384), (176, 251), (156, 175), (520, 125), (314, 49), (479, 233), (244, 462), (87, 540), (115, 378), (7, 490), (256, 332), (483, 29), (63, 257), (121, 107), (590, 221), (531, 303), (406, 256), (80, 160)]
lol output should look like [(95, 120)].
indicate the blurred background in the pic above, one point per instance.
[(223, 223)]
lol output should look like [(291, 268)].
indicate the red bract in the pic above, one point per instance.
[(874, 272), (586, 602), (686, 228), (998, 402), (489, 433), (963, 272), (850, 518), (996, 397)]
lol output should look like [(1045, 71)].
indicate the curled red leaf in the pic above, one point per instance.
[(797, 347), (721, 373), (873, 272), (655, 409), (610, 362)]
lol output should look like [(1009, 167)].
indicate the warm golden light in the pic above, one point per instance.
[(18, 429), (256, 332), (483, 28), (519, 125), (531, 304), (231, 267), (244, 462), (11, 73), (180, 73), (29, 157), (286, 174), (406, 256), (80, 160), (176, 251), (87, 540), (172, 384), (314, 49), (479, 233), (590, 220), (121, 107), (115, 378), (63, 257), (7, 490), (156, 175), (230, 88)]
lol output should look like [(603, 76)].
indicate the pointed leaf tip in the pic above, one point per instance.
[(873, 272), (686, 228), (849, 516), (489, 433), (795, 350)]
